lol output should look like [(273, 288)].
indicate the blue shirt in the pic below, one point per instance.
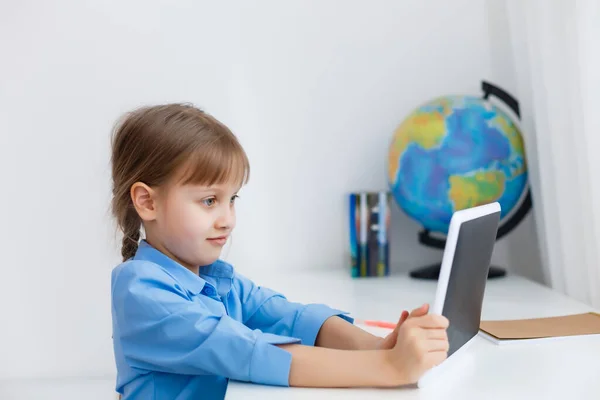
[(177, 335)]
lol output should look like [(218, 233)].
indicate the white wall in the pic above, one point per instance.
[(313, 89)]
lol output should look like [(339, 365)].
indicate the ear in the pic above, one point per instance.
[(144, 201)]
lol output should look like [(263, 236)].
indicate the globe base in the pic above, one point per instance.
[(432, 272)]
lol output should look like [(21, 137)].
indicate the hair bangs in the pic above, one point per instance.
[(220, 162)]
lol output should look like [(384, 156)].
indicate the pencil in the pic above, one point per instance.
[(377, 324)]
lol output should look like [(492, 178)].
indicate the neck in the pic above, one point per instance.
[(159, 246)]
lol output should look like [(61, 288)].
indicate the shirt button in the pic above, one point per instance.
[(209, 291)]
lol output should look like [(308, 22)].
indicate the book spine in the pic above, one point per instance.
[(363, 234), (383, 265), (372, 239), (354, 228)]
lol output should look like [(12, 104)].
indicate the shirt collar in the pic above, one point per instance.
[(190, 281), (220, 274), (218, 269)]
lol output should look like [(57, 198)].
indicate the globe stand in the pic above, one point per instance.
[(433, 271)]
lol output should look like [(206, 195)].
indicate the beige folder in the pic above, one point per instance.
[(541, 328)]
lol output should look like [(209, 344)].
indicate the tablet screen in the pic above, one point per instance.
[(468, 277)]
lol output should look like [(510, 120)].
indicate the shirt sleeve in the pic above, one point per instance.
[(160, 329), (271, 312)]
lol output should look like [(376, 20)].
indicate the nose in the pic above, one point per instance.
[(226, 218)]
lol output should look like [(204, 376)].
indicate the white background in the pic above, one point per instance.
[(313, 89)]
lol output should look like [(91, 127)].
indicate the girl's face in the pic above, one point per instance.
[(191, 223)]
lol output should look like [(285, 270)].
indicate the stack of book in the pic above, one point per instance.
[(370, 233)]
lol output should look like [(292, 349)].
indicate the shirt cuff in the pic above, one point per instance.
[(311, 319), (270, 365)]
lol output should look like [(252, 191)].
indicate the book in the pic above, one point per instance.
[(358, 219), (536, 329), (355, 226), (372, 233)]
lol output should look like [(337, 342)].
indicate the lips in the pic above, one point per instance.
[(218, 241)]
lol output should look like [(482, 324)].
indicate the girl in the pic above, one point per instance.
[(184, 322)]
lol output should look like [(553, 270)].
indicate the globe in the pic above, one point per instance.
[(453, 153)]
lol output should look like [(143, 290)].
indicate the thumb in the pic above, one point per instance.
[(403, 318), (390, 340)]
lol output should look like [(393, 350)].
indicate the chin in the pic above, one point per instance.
[(204, 261)]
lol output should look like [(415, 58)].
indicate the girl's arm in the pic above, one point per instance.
[(314, 324), (422, 343), (337, 333), (323, 367), (271, 312)]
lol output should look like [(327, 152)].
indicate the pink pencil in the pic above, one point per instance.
[(377, 324)]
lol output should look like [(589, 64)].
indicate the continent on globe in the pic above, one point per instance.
[(481, 188), (422, 127)]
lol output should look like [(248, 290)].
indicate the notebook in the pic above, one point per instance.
[(536, 329)]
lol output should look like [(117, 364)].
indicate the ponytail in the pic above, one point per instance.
[(130, 224)]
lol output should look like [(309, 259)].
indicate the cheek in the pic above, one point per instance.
[(188, 221), (233, 219), (175, 217)]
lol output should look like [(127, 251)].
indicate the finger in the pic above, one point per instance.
[(417, 312), (436, 334), (437, 345), (431, 321)]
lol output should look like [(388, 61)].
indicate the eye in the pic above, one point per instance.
[(209, 202), (235, 196)]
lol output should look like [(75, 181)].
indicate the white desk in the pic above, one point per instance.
[(561, 369), (553, 370)]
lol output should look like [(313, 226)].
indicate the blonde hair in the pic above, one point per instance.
[(157, 144)]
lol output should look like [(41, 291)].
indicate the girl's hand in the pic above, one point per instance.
[(422, 343), (390, 340)]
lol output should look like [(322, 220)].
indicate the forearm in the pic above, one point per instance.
[(323, 367), (337, 333)]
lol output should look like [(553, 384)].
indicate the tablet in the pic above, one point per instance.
[(463, 277)]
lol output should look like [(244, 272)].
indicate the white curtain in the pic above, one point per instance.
[(556, 45)]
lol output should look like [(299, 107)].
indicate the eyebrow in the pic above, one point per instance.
[(208, 189)]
